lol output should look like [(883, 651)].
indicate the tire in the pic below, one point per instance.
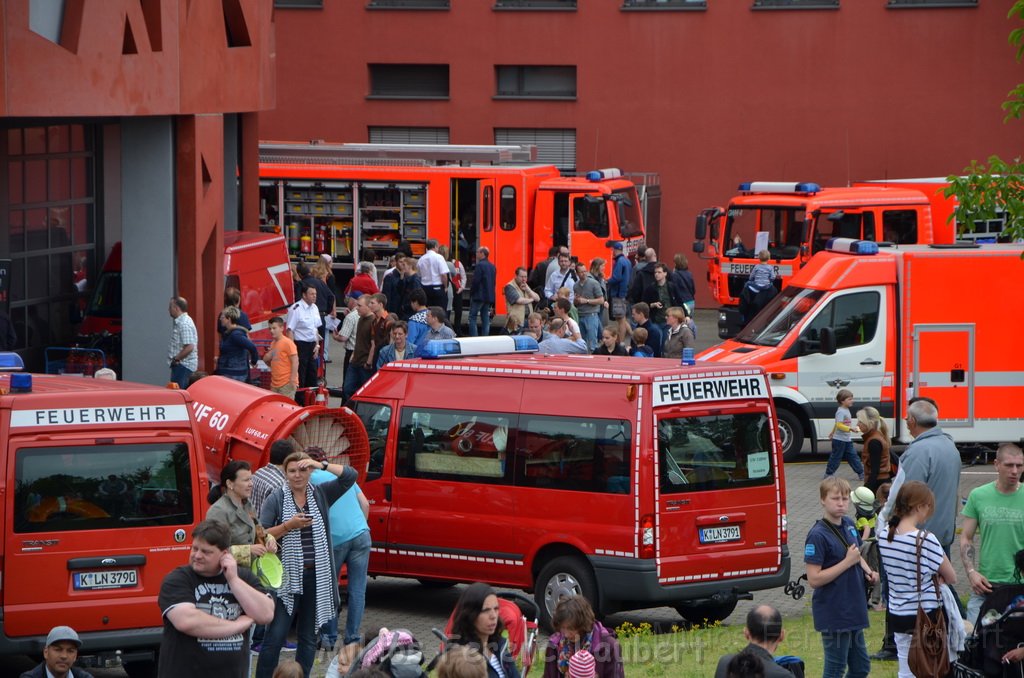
[(563, 577), (707, 612), (145, 668), (791, 431)]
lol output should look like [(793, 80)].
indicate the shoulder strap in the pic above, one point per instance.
[(836, 531)]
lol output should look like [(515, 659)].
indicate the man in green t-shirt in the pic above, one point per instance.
[(997, 510)]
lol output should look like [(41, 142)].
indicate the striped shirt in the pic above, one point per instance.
[(264, 482), (900, 560)]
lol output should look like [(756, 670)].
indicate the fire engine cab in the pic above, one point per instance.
[(889, 324), (634, 482), (795, 220)]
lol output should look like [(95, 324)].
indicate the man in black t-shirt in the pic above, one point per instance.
[(208, 607)]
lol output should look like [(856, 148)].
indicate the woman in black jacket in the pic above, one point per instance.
[(476, 623)]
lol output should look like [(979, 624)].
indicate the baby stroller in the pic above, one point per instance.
[(998, 629), (518, 613), (396, 652)]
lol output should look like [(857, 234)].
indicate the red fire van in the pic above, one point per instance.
[(634, 482)]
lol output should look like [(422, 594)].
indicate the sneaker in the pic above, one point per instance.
[(288, 646)]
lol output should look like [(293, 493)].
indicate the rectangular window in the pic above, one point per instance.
[(664, 4), (536, 82), (897, 4), (454, 445), (569, 453), (408, 135), (554, 146), (536, 4), (409, 81), (796, 4), (715, 452), (299, 4), (408, 4), (590, 215), (93, 487), (899, 226)]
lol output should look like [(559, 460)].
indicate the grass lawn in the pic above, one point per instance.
[(694, 653)]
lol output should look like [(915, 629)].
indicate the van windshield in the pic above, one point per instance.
[(782, 314), (93, 487), (784, 225), (715, 452), (629, 214)]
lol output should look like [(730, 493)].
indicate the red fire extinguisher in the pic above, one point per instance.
[(320, 240)]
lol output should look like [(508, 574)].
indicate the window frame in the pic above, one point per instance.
[(932, 4), (819, 321), (664, 5), (794, 4), (521, 74), (523, 462), (532, 5), (375, 71), (429, 5), (298, 4)]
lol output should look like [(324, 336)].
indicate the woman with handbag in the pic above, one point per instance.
[(916, 565), (248, 538)]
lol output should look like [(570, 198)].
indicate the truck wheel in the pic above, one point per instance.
[(705, 612), (562, 578), (792, 434)]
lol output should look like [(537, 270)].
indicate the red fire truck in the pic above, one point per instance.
[(795, 220), (358, 202)]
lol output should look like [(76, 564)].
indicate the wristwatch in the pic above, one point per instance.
[(324, 464)]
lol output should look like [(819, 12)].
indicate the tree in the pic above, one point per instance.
[(995, 188)]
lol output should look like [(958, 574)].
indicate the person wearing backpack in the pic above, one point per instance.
[(764, 633)]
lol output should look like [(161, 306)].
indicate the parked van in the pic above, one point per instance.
[(634, 482), (103, 483)]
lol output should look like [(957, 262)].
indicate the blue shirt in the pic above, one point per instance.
[(840, 605), (618, 284), (347, 519)]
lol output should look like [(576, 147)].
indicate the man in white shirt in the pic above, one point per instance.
[(433, 270), (304, 326), (563, 276), (183, 349)]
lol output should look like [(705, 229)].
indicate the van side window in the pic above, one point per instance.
[(715, 452), (853, 317), (377, 419), (454, 445), (93, 487), (569, 453), (899, 226)]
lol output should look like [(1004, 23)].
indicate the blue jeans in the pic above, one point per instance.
[(180, 375), (356, 554), (305, 627), (845, 649), (843, 449), (590, 328), (355, 376), (481, 308)]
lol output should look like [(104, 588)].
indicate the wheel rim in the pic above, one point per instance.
[(559, 586), (786, 434)]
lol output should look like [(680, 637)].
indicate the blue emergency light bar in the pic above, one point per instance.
[(609, 173), (779, 187), (476, 346), (852, 246), (11, 362)]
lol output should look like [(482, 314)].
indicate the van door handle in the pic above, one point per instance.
[(387, 492), (870, 361)]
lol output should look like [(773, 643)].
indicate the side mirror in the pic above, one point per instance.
[(714, 230), (700, 229), (698, 246), (828, 341)]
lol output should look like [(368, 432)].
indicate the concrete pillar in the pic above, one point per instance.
[(148, 241)]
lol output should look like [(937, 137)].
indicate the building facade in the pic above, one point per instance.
[(705, 93), (131, 121)]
